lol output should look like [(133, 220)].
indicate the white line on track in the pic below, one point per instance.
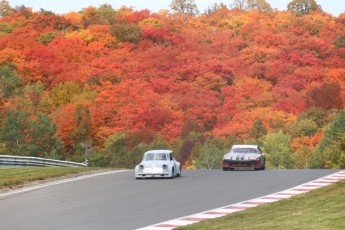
[(226, 210), (30, 188)]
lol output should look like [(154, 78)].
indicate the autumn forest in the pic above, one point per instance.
[(107, 84)]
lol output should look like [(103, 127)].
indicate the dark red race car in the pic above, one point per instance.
[(246, 157)]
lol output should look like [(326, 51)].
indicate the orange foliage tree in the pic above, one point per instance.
[(169, 75)]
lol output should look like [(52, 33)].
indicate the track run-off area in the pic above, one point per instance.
[(116, 200)]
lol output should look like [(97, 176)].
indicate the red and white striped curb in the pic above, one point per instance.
[(226, 210)]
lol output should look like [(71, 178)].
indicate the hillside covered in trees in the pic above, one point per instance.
[(108, 84)]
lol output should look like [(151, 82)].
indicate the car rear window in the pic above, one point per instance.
[(161, 157), (156, 156), (243, 150)]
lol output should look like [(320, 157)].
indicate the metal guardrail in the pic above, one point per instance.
[(7, 160)]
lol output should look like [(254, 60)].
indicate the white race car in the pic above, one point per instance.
[(158, 163)]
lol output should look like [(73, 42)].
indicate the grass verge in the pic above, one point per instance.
[(12, 177), (323, 208)]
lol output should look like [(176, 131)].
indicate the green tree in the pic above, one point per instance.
[(104, 15), (82, 119), (230, 141), (81, 135), (332, 138), (9, 82), (340, 42), (64, 93), (107, 13), (46, 38), (126, 32), (302, 157), (190, 126), (23, 135), (32, 95), (302, 128), (6, 29), (98, 160), (209, 155), (303, 7), (42, 136), (186, 7), (124, 151), (116, 147), (278, 151), (335, 154), (257, 130), (334, 131), (259, 5), (13, 132), (315, 114)]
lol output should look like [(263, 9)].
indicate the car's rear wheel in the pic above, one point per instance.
[(172, 173), (179, 174), (225, 169), (263, 166)]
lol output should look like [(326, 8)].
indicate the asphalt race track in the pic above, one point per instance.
[(118, 201)]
